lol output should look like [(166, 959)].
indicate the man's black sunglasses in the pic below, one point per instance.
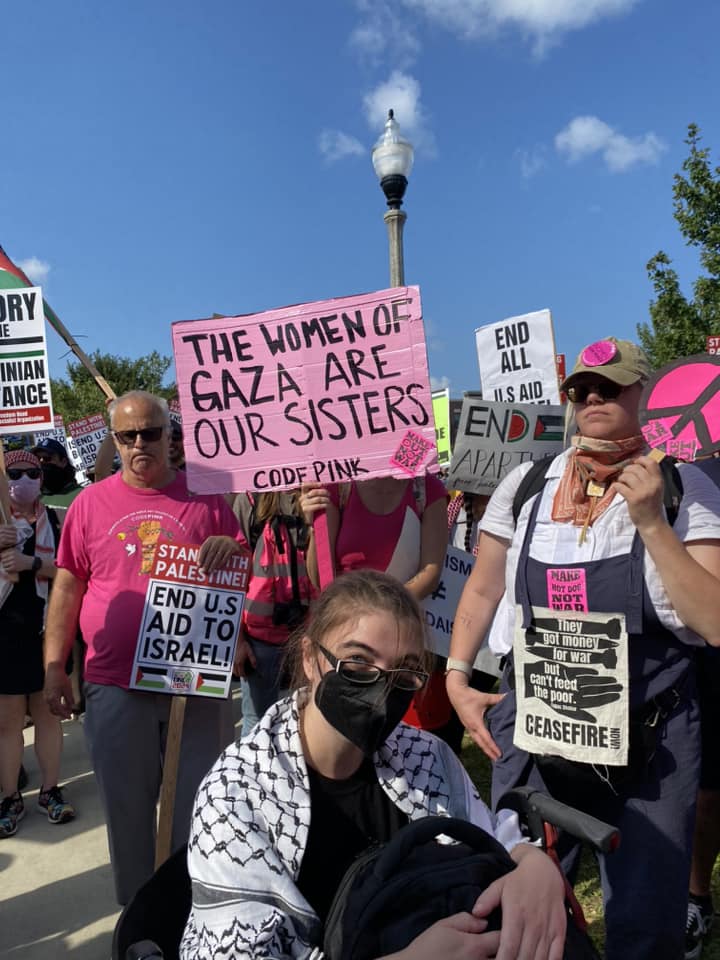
[(14, 473), (605, 389), (148, 435)]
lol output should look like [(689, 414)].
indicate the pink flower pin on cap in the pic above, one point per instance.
[(598, 354)]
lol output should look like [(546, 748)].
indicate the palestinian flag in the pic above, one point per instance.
[(549, 427), (12, 276)]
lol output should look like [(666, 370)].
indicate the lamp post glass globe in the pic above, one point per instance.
[(392, 159)]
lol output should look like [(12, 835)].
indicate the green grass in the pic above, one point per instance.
[(587, 889)]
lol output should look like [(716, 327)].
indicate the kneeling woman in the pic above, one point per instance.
[(327, 772)]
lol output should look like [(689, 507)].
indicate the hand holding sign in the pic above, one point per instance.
[(641, 485), (217, 551)]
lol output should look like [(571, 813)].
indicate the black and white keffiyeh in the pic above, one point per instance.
[(250, 829)]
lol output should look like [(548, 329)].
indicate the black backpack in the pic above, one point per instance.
[(393, 892), (534, 481), (290, 614)]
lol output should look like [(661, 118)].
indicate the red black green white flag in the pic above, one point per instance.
[(12, 276)]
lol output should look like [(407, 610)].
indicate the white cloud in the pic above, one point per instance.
[(336, 145), (439, 383), (544, 20), (433, 338), (401, 93), (384, 34), (531, 161), (37, 270), (585, 136)]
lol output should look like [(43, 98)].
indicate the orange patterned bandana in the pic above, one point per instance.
[(584, 491)]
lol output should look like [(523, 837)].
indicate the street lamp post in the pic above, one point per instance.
[(392, 158)]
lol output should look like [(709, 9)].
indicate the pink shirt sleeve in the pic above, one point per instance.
[(72, 555)]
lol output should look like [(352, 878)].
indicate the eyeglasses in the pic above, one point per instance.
[(605, 389), (128, 437), (357, 671), (14, 473)]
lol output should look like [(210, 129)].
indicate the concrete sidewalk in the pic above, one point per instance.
[(56, 890), (57, 897)]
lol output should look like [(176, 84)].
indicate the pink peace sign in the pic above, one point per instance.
[(680, 407)]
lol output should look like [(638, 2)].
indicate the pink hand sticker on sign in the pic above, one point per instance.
[(680, 407), (320, 392)]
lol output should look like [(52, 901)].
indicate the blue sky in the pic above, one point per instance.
[(164, 160)]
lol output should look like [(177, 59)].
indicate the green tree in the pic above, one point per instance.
[(679, 325), (78, 395)]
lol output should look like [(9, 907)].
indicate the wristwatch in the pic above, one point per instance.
[(36, 564), (460, 665)]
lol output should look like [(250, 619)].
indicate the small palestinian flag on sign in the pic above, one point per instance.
[(210, 684), (150, 678), (549, 427)]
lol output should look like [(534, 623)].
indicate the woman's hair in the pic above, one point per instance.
[(468, 506), (266, 506), (348, 597)]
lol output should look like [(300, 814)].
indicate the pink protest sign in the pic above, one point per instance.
[(567, 588), (680, 407), (319, 392)]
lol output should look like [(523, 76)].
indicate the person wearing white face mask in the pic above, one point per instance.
[(28, 541)]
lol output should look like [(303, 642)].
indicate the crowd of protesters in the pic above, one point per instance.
[(329, 675)]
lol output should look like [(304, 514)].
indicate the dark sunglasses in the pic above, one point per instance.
[(605, 389), (14, 473), (128, 437)]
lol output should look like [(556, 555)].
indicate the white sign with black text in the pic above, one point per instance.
[(440, 607), (493, 438), (517, 359), (87, 435), (571, 681), (190, 625)]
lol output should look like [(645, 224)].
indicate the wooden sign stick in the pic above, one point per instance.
[(171, 763)]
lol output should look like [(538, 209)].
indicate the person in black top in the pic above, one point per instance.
[(328, 772), (28, 540)]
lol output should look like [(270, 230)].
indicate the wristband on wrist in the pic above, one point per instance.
[(36, 564), (460, 665)]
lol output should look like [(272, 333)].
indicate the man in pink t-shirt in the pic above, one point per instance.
[(104, 560)]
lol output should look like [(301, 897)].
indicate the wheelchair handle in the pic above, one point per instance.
[(535, 807)]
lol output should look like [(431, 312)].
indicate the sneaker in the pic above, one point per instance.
[(699, 922), (12, 810), (56, 807)]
